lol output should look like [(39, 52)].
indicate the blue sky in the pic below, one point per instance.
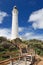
[(30, 18)]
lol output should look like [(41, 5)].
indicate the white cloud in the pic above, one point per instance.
[(37, 19), (39, 37), (28, 34), (32, 36), (21, 29), (2, 15), (5, 32)]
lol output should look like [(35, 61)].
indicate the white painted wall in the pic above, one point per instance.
[(14, 34)]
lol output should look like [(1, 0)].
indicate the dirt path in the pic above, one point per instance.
[(40, 63), (39, 60)]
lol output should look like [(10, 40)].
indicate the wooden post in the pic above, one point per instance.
[(11, 62), (25, 61)]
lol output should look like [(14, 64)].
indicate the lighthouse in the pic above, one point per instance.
[(14, 33)]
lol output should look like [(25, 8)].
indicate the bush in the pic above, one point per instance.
[(2, 49), (13, 48), (41, 54), (6, 45), (6, 56)]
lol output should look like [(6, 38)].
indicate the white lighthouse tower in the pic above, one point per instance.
[(14, 34)]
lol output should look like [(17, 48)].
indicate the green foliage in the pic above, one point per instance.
[(37, 45), (13, 48), (1, 49), (8, 47), (2, 39)]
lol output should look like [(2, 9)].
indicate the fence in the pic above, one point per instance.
[(12, 61), (21, 60)]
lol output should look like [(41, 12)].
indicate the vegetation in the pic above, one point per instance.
[(7, 48), (37, 45), (10, 48)]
